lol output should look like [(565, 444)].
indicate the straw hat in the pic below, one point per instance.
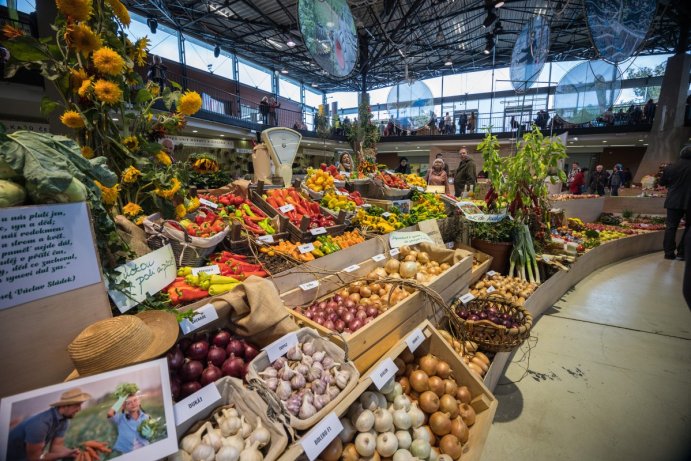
[(71, 397), (121, 341)]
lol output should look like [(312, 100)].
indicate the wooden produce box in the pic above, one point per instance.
[(484, 259), (585, 209)]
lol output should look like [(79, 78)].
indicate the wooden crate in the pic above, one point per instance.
[(484, 259), (484, 403)]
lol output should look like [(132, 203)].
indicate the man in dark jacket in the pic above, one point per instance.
[(465, 173), (677, 178), (598, 180)]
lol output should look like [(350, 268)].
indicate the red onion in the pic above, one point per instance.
[(221, 339), (462, 313), (473, 317), (250, 352), (210, 374), (482, 315), (349, 303), (198, 350), (308, 314), (175, 358), (216, 355), (333, 316), (355, 324), (494, 319), (352, 311), (507, 323), (329, 324), (233, 367), (184, 344), (236, 347), (322, 305), (332, 305), (191, 370), (175, 387), (347, 317), (360, 307), (372, 311), (337, 298), (340, 325), (361, 315), (189, 388)]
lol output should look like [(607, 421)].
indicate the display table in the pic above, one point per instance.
[(585, 209), (637, 205)]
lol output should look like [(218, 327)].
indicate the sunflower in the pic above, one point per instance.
[(84, 88), (163, 158), (193, 204), (132, 210), (180, 211), (72, 119), (140, 220), (108, 61), (132, 143), (10, 32), (87, 152), (130, 175), (190, 103), (107, 92), (82, 38), (109, 195), (77, 77), (169, 193), (119, 11), (139, 51), (78, 10)]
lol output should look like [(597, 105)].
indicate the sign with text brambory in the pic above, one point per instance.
[(146, 275), (45, 251)]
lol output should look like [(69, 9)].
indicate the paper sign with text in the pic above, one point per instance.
[(491, 289), (379, 257), (491, 273), (266, 238), (147, 275), (309, 285), (213, 269), (394, 252), (306, 248), (321, 435), (466, 298), (318, 231), (287, 208), (205, 315), (399, 239), (45, 250), (414, 339), (281, 346), (384, 373), (208, 203), (196, 403), (352, 268)]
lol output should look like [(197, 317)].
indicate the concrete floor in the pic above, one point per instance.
[(608, 376)]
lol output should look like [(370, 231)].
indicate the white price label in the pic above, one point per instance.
[(266, 238), (385, 372), (309, 285), (386, 214), (419, 189), (196, 403), (491, 289), (338, 192), (379, 257), (321, 435), (213, 269), (394, 252), (366, 205), (279, 347), (352, 268), (318, 231), (450, 245), (414, 339), (466, 298), (204, 315), (491, 273), (306, 248), (208, 203), (286, 208)]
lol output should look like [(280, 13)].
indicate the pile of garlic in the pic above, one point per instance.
[(233, 439)]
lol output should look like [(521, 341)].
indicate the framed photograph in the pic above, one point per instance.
[(126, 414)]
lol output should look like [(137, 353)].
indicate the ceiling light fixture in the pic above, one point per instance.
[(223, 136), (490, 44), (448, 62), (284, 71), (152, 23), (195, 131), (217, 51), (491, 17), (291, 43), (499, 3)]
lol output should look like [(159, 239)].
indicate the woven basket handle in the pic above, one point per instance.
[(276, 410), (345, 344)]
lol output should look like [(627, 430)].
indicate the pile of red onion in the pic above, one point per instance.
[(339, 314), (204, 358), (491, 314)]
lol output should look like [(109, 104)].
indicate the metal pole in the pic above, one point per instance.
[(183, 60)]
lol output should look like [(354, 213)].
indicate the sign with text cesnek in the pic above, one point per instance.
[(45, 250), (146, 275)]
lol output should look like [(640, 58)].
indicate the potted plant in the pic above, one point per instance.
[(496, 240)]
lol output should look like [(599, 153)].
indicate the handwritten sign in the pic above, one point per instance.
[(491, 273), (266, 238), (466, 298), (286, 208), (491, 289), (306, 248), (318, 231), (352, 268), (147, 275), (196, 403), (394, 252), (399, 239), (281, 346), (208, 203), (45, 250), (321, 435), (414, 339), (213, 269), (379, 257), (385, 372), (309, 285), (205, 315)]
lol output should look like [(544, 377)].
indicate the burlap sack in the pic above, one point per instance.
[(442, 254), (132, 235), (253, 310)]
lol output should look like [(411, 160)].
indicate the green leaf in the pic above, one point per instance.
[(25, 49), (143, 96), (48, 106), (175, 85), (152, 147)]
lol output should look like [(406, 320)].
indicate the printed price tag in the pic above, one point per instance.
[(205, 315), (186, 409), (309, 285), (318, 231), (213, 269), (394, 252), (414, 339), (383, 373), (306, 248), (352, 268), (466, 298), (379, 257), (338, 192), (491, 289), (266, 238), (419, 189), (208, 203), (286, 208), (321, 435), (450, 245), (491, 273), (279, 347), (366, 205), (386, 214)]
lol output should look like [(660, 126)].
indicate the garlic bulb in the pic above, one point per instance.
[(190, 442), (294, 353), (260, 434), (308, 348), (246, 428), (251, 453), (227, 453), (236, 441), (203, 452), (307, 410)]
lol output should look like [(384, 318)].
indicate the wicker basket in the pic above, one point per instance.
[(188, 250), (490, 336)]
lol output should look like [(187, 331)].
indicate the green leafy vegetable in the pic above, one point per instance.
[(126, 389)]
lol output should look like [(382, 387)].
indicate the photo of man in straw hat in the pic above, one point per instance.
[(41, 437)]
